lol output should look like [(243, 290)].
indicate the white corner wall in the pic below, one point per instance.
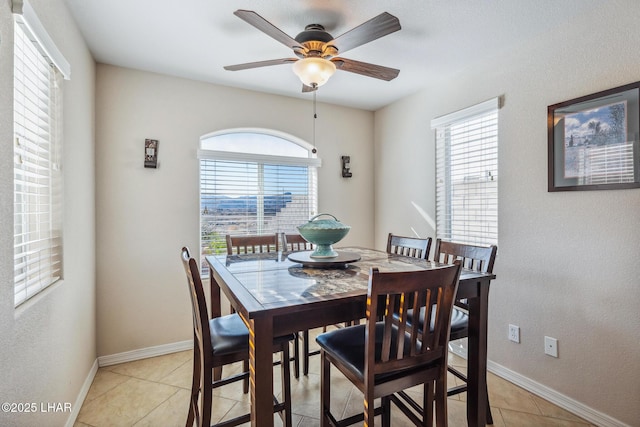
[(47, 345), (144, 216), (567, 262)]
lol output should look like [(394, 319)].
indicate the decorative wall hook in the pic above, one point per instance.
[(151, 153), (346, 165)]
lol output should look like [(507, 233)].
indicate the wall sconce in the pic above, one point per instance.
[(151, 153), (346, 165)]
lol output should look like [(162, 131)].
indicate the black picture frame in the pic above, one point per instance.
[(593, 141)]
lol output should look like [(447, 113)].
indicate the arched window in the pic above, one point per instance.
[(254, 181)]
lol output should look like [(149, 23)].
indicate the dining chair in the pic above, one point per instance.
[(254, 243), (220, 341), (295, 242), (382, 358), (408, 246), (472, 257)]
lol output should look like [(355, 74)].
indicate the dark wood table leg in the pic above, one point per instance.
[(477, 359), (214, 289), (261, 371), (305, 352)]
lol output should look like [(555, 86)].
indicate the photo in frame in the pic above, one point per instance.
[(593, 141)]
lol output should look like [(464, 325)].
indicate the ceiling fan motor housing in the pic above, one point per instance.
[(314, 38)]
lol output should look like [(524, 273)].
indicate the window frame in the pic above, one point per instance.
[(481, 122), (38, 71), (311, 162)]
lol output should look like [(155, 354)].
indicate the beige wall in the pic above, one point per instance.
[(567, 262), (47, 345), (144, 216)]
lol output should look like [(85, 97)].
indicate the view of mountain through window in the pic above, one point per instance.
[(253, 183)]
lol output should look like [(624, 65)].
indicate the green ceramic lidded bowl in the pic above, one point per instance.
[(323, 233)]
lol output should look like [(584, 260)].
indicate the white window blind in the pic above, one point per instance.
[(243, 193), (467, 175), (37, 168)]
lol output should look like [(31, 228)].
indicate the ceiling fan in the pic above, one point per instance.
[(318, 51)]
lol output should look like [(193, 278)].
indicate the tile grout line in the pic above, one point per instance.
[(106, 391), (541, 415), (156, 407)]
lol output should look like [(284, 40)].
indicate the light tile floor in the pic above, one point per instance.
[(155, 392)]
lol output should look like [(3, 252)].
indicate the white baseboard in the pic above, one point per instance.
[(114, 359), (75, 409), (565, 402), (143, 353), (548, 394)]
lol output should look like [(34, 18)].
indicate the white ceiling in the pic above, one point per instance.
[(194, 39)]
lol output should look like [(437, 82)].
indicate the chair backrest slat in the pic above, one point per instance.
[(256, 243), (416, 333), (295, 242), (408, 246), (390, 295), (386, 338), (477, 258)]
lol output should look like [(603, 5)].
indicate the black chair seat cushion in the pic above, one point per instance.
[(459, 320), (228, 335), (347, 345)]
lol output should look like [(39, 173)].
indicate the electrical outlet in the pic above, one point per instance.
[(551, 346), (514, 333)]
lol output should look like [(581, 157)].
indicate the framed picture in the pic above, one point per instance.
[(593, 141)]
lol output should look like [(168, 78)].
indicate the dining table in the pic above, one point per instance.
[(275, 296)]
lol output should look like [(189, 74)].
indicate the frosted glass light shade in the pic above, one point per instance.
[(312, 71)]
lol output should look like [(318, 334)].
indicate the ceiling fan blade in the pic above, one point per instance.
[(366, 69), (267, 27), (306, 88), (373, 29), (258, 64)]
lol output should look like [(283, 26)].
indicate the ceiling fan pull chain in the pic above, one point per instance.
[(315, 116)]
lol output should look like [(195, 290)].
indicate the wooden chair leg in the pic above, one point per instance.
[(206, 398), (195, 387), (427, 404), (325, 392), (369, 409), (441, 402), (457, 374), (245, 382), (217, 373), (386, 411), (489, 416), (285, 365), (296, 351)]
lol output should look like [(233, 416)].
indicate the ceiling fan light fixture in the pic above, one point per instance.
[(314, 71)]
